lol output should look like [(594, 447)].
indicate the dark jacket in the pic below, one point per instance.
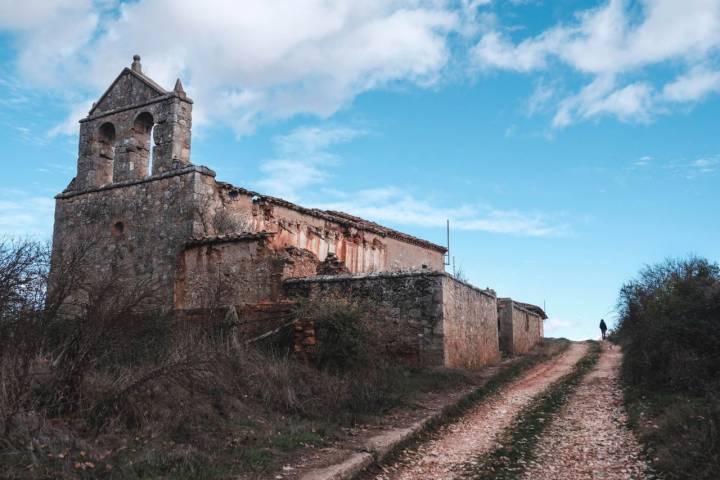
[(603, 327)]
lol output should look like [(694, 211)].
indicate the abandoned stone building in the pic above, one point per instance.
[(520, 326), (156, 219)]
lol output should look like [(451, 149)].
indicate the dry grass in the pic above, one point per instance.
[(110, 392)]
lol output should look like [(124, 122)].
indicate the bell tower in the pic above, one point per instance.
[(135, 130)]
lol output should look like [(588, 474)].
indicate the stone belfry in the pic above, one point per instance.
[(135, 130)]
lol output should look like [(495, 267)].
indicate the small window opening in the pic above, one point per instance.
[(118, 229), (527, 322)]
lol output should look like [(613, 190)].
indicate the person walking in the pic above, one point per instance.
[(603, 328)]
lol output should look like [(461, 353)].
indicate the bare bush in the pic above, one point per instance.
[(24, 266), (95, 361), (23, 275)]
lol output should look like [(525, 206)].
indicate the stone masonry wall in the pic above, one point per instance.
[(505, 326), (470, 325), (115, 139), (406, 306), (236, 270), (135, 230), (428, 317), (523, 327)]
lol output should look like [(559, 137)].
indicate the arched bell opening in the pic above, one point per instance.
[(104, 149), (142, 133)]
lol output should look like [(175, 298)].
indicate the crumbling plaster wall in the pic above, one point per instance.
[(361, 250), (470, 325)]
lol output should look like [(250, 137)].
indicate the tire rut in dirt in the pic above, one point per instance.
[(445, 453), (588, 438)]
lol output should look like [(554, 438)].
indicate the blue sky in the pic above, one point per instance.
[(568, 142)]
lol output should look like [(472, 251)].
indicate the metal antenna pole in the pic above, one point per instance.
[(447, 255)]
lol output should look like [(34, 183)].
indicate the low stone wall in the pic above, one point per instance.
[(520, 329), (428, 318), (470, 325)]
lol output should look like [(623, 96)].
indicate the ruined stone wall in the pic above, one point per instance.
[(406, 306), (322, 233), (427, 317), (134, 229), (236, 271), (470, 325), (505, 326), (522, 328)]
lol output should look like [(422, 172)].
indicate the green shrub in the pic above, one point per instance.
[(345, 340), (670, 326), (670, 332)]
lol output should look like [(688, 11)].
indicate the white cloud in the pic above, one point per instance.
[(243, 62), (557, 325), (303, 159), (611, 43), (29, 14), (22, 214), (643, 161), (266, 60), (632, 102), (70, 125), (540, 98), (693, 86), (49, 35), (401, 207), (702, 166), (687, 169), (306, 158)]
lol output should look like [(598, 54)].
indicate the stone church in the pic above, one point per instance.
[(154, 218)]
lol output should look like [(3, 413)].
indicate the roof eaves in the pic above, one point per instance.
[(339, 217)]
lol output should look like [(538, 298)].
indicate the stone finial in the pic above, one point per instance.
[(179, 87), (136, 65)]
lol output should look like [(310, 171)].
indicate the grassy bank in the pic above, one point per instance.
[(144, 397), (508, 461), (678, 431)]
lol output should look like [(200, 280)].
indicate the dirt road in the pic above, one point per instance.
[(443, 455), (588, 438)]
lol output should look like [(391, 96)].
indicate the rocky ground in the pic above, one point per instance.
[(589, 439), (453, 446)]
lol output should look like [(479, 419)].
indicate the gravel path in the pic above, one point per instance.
[(588, 439), (475, 433)]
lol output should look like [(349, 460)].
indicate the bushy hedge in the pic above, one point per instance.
[(670, 332), (670, 326)]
